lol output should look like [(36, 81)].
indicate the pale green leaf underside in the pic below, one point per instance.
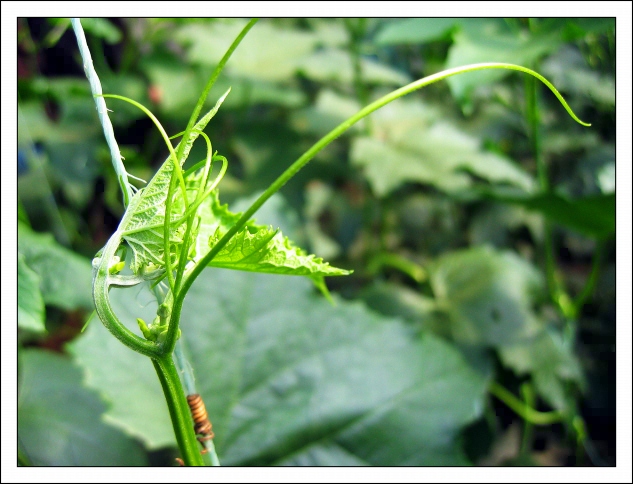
[(143, 224)]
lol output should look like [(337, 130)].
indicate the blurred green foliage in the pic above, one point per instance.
[(434, 201)]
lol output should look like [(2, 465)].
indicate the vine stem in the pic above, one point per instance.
[(556, 290), (100, 287), (526, 412), (410, 268), (108, 131), (187, 379), (178, 410)]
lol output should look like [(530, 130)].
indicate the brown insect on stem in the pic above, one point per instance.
[(201, 423)]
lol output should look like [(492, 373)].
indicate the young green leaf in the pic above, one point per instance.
[(264, 249), (256, 248)]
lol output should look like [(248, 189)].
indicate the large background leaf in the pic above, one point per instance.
[(284, 372), (31, 311), (126, 379), (551, 362), (65, 277), (60, 421), (592, 216), (487, 296)]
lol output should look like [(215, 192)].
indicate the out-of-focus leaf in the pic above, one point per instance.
[(574, 28), (177, 83), (265, 149), (124, 378), (593, 173), (415, 30), (31, 313), (266, 53), (246, 92), (77, 115), (569, 72), (495, 223), (65, 277), (102, 28), (430, 224), (397, 300), (134, 87), (336, 65), (61, 88), (487, 295), (329, 110), (422, 30), (593, 216), (69, 146), (75, 125), (53, 36), (323, 454), (550, 362), (330, 32), (60, 421), (318, 197), (438, 156), (471, 47), (23, 217), (74, 162), (276, 212), (179, 86), (606, 178), (386, 167), (559, 142)]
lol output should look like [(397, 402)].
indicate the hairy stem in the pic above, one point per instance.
[(108, 131)]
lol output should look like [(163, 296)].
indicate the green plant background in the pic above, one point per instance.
[(433, 201)]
